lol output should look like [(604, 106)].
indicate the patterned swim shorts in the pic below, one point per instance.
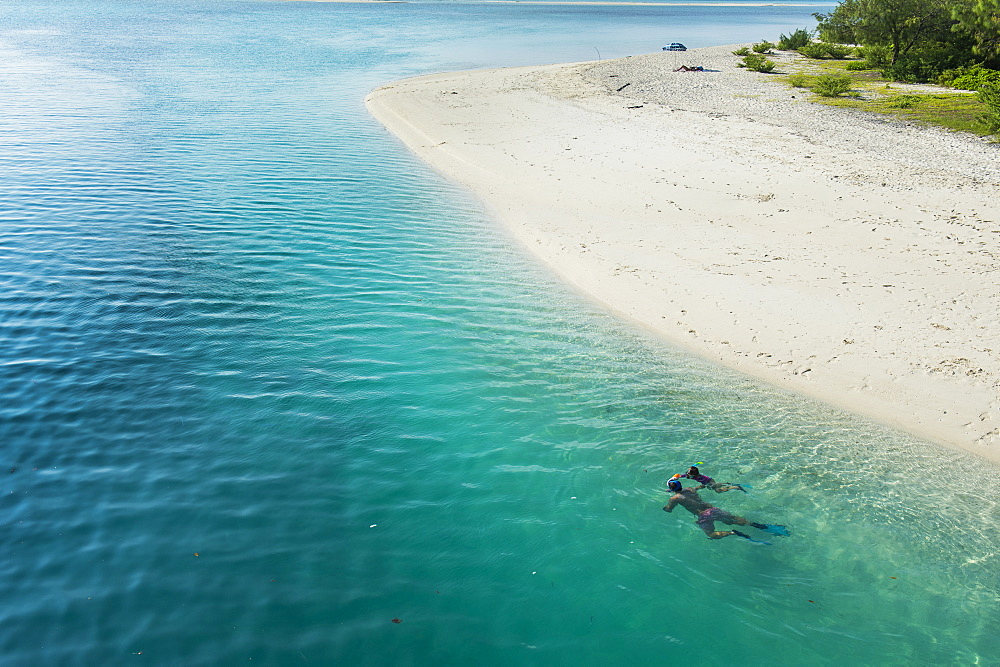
[(706, 520)]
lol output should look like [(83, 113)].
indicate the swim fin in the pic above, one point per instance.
[(774, 529), (745, 536)]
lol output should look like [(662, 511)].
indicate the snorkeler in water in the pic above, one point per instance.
[(706, 514), (709, 483)]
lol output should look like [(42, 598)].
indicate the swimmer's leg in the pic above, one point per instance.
[(708, 526), (731, 519)]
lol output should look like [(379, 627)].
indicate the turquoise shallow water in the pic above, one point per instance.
[(268, 383)]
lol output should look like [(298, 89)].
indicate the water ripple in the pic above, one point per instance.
[(267, 384)]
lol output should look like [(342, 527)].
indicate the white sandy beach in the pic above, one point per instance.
[(844, 256)]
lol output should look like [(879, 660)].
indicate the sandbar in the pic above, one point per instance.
[(846, 256)]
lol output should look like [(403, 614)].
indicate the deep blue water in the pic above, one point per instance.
[(267, 383)]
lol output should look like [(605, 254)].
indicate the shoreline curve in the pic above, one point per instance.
[(847, 257)]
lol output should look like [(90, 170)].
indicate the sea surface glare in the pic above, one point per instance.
[(274, 392)]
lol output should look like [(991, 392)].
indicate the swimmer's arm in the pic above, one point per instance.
[(671, 504)]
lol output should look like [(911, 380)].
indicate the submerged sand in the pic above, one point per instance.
[(845, 256)]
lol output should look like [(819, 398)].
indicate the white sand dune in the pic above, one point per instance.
[(844, 256)]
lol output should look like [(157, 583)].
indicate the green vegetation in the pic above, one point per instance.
[(742, 51), (990, 97), (763, 47), (812, 51), (838, 51), (758, 63), (796, 40), (955, 111), (952, 43), (868, 91), (799, 80), (832, 85), (970, 78), (917, 40), (980, 21), (902, 101), (819, 50)]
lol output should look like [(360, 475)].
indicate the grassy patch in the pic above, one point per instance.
[(954, 111), (800, 80), (870, 92)]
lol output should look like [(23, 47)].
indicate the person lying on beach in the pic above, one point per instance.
[(706, 514), (709, 483), (685, 68)]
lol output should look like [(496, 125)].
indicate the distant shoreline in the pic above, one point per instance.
[(585, 2), (846, 257)]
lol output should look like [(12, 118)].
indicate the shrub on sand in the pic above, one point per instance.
[(758, 63), (763, 47), (815, 51), (832, 85), (797, 39), (989, 95), (820, 50), (970, 78), (742, 51), (838, 51)]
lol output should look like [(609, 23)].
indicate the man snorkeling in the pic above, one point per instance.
[(706, 515), (709, 483)]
